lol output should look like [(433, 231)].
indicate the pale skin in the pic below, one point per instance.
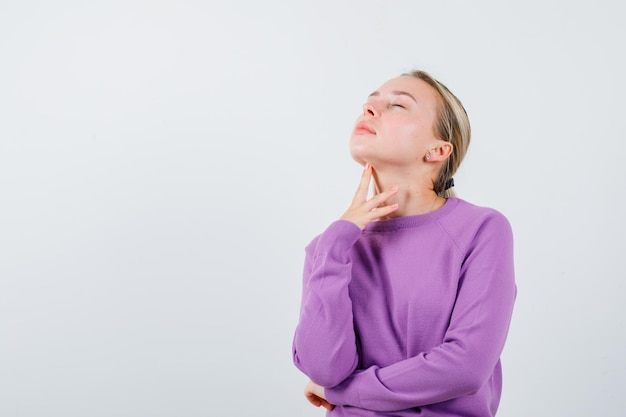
[(394, 140)]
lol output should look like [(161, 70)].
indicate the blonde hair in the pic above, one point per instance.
[(452, 125)]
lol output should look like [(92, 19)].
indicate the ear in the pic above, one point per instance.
[(440, 151)]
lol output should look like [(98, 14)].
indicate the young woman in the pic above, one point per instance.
[(407, 298)]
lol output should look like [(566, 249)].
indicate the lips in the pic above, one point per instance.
[(363, 128)]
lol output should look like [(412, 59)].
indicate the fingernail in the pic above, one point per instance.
[(367, 166)]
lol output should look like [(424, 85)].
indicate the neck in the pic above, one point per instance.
[(415, 195)]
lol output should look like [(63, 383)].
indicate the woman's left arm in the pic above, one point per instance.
[(473, 342)]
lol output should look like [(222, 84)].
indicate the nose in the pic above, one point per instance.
[(369, 109)]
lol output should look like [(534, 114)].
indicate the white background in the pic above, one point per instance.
[(164, 163)]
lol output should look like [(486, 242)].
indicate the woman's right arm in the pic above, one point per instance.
[(324, 346)]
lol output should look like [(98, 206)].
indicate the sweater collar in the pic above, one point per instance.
[(413, 221)]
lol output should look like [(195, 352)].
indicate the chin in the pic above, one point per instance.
[(358, 158), (360, 152)]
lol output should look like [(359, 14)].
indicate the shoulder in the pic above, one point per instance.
[(465, 212), (468, 222)]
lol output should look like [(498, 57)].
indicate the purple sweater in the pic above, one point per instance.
[(409, 316)]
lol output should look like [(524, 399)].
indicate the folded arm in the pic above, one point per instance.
[(324, 345), (473, 342)]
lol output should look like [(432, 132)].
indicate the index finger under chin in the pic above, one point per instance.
[(364, 184)]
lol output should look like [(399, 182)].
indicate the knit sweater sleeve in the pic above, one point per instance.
[(472, 344), (324, 345)]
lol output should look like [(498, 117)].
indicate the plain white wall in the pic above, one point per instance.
[(164, 163)]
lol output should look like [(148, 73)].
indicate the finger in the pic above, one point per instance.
[(313, 399), (327, 405), (378, 200), (382, 211), (364, 184)]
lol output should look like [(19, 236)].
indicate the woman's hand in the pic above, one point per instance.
[(362, 211), (315, 394)]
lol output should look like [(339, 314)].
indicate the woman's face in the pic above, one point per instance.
[(396, 125)]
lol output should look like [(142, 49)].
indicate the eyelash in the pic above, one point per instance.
[(393, 105)]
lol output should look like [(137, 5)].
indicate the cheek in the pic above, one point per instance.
[(404, 135), (415, 133)]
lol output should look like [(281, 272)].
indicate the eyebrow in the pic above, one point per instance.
[(396, 93)]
